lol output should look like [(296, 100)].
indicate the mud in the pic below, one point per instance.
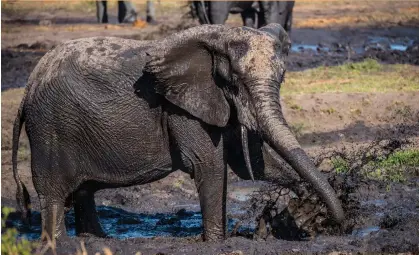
[(382, 217), (164, 217)]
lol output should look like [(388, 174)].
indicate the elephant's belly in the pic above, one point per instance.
[(127, 177), (133, 156)]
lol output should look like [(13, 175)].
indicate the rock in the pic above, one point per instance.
[(377, 46), (23, 46), (414, 48), (338, 47), (45, 22), (325, 166), (46, 45), (183, 213)]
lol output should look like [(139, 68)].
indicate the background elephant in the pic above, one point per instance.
[(254, 13), (107, 112)]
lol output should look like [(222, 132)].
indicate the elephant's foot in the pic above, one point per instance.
[(150, 20), (213, 236), (87, 221)]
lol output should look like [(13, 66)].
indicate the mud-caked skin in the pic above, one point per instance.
[(107, 112)]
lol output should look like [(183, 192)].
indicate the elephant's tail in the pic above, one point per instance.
[(22, 195)]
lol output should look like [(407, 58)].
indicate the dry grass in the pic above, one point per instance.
[(319, 14), (366, 76), (10, 101)]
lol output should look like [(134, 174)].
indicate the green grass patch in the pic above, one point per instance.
[(406, 158), (365, 76), (340, 165), (395, 168)]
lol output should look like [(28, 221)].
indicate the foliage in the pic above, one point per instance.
[(10, 244), (340, 165), (394, 167), (367, 65)]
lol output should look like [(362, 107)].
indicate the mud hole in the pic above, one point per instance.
[(164, 217)]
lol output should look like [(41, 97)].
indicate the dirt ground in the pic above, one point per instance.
[(381, 217)]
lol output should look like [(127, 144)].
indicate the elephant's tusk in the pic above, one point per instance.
[(245, 146)]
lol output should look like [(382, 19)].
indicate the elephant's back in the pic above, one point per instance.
[(88, 70), (116, 60), (82, 95)]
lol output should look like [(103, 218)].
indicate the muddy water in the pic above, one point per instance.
[(121, 224), (372, 42)]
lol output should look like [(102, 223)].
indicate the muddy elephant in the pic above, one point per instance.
[(254, 13), (107, 112)]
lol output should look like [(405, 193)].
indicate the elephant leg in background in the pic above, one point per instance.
[(126, 12), (288, 19), (151, 12), (270, 11), (202, 154), (87, 221), (101, 12), (218, 11), (248, 17)]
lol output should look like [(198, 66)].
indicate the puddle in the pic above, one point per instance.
[(120, 224), (242, 194), (376, 202), (302, 47), (365, 231), (398, 44)]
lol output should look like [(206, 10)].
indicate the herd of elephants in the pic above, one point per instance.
[(106, 112), (254, 13)]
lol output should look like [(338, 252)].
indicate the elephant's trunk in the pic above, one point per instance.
[(276, 133)]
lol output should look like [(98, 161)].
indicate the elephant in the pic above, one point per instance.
[(107, 112), (254, 13)]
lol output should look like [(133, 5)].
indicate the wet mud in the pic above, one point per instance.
[(381, 217)]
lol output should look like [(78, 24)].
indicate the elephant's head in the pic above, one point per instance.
[(232, 76)]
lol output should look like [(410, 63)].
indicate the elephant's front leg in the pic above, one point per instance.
[(248, 17), (210, 180), (200, 151)]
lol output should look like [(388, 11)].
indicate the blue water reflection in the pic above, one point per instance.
[(121, 224)]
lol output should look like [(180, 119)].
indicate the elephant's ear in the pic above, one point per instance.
[(183, 74)]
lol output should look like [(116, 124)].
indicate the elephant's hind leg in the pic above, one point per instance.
[(52, 215), (87, 221)]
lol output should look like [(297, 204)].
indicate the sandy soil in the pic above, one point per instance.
[(357, 120)]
